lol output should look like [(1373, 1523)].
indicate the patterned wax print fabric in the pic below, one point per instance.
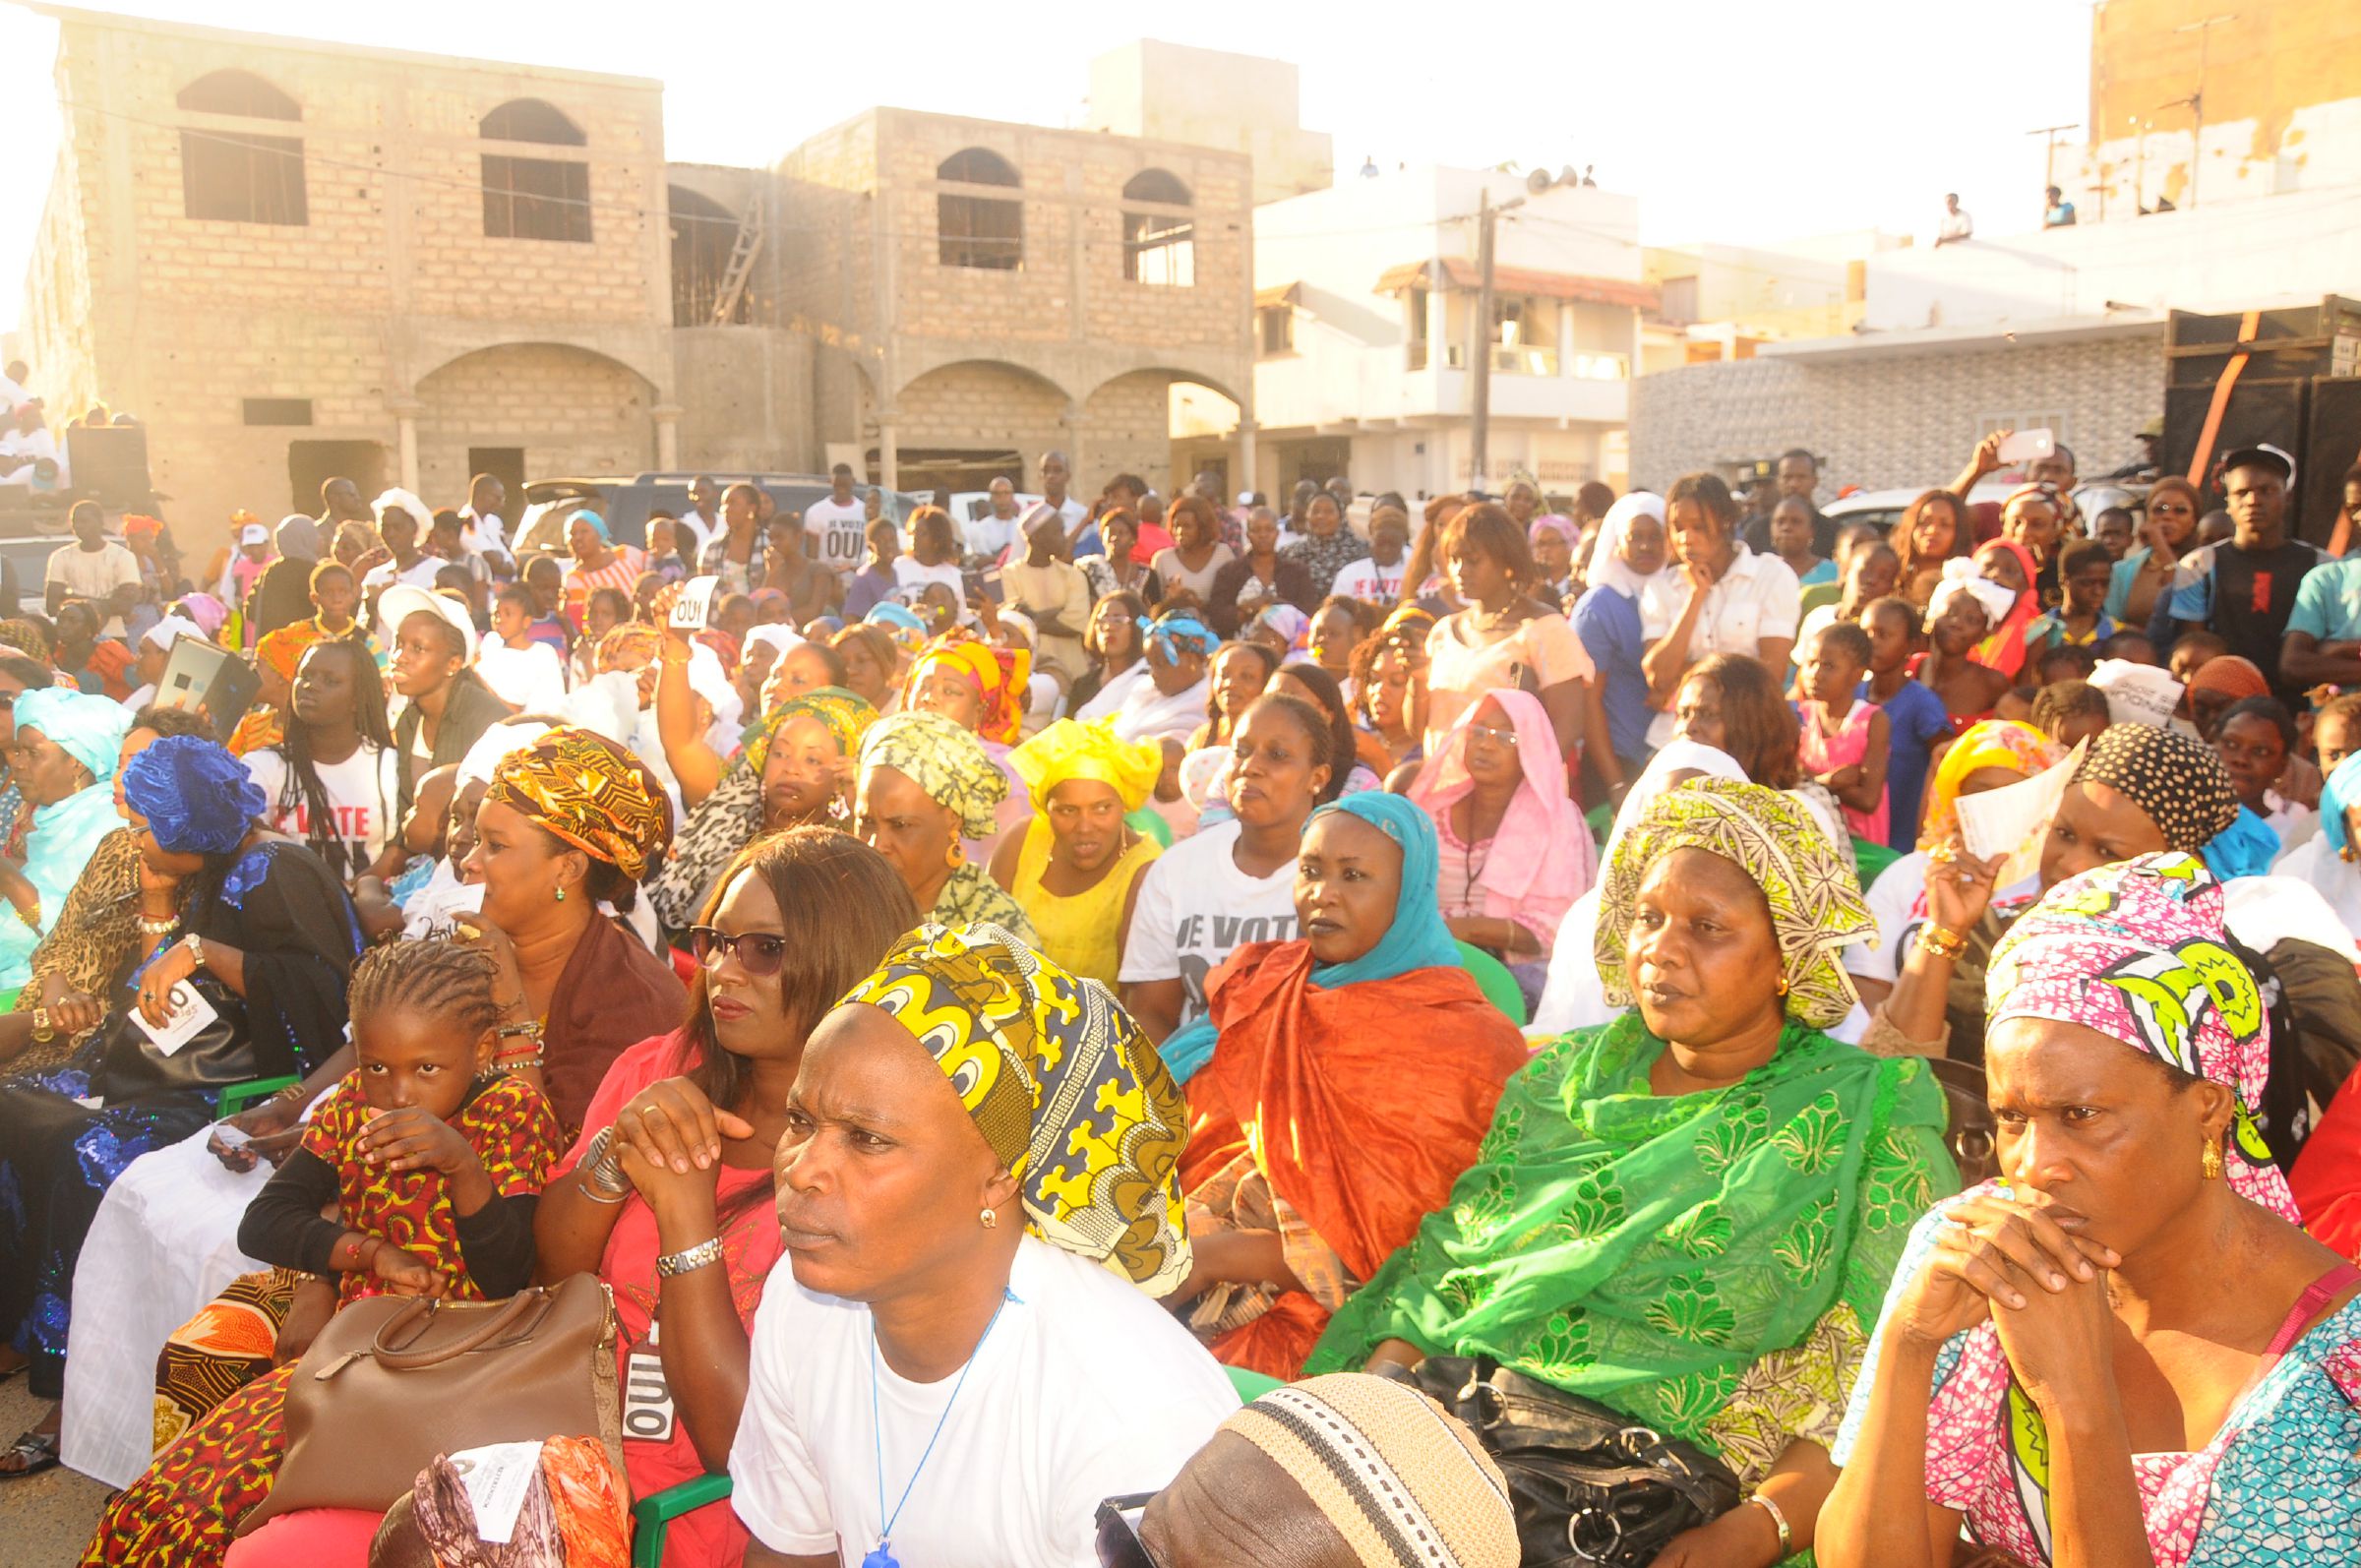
[(592, 792), (946, 761), (2177, 779), (2279, 1486), (184, 1510), (1707, 1264), (1816, 905), (999, 676), (1064, 1087)]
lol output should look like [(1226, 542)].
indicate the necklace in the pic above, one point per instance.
[(881, 1555)]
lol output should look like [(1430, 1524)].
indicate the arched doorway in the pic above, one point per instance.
[(964, 425), (547, 410), (1166, 426)]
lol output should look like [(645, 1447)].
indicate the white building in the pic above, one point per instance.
[(1366, 327)]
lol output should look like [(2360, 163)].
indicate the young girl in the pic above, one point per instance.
[(1844, 741), (431, 1156), (1915, 718)]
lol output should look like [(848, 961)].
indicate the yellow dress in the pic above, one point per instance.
[(1079, 932)]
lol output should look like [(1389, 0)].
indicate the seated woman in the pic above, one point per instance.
[(982, 688), (1690, 1214), (2096, 1395), (2138, 790), (1508, 638), (976, 1188), (1309, 683), (870, 663), (1231, 882), (1389, 696), (569, 824), (2255, 737), (1287, 1223), (333, 780), (796, 921), (795, 771), (263, 918), (925, 785), (1515, 852), (1117, 654), (430, 1160), (63, 760), (1072, 869), (449, 706), (1239, 674)]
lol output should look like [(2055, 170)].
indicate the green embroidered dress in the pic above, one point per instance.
[(1708, 1264)]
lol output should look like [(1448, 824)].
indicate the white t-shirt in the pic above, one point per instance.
[(1956, 225), (988, 536), (910, 575), (363, 789), (419, 574), (1147, 715), (1196, 907), (1084, 1389), (1365, 579), (1757, 598), (93, 573), (839, 533), (699, 532)]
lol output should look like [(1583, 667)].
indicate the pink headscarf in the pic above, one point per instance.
[(2137, 952), (1542, 859)]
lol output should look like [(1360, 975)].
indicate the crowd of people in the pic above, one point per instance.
[(1214, 977)]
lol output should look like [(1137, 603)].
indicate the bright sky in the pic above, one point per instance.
[(1730, 120)]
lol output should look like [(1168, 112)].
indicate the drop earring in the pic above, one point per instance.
[(560, 896), (956, 856), (991, 1220), (2209, 1162)]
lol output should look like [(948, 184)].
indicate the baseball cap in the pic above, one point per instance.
[(2262, 453), (403, 600), (254, 533)]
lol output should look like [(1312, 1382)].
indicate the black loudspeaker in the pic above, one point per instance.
[(2259, 411), (2332, 445), (200, 675), (111, 464)]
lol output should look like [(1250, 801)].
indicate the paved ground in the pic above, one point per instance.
[(46, 1520)]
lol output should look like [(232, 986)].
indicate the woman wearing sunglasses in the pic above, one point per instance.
[(668, 1196)]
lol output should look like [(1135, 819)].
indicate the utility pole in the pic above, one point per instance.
[(2049, 157), (1479, 421), (2196, 102)]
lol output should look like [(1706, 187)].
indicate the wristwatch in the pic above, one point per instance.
[(689, 1259), (196, 948)]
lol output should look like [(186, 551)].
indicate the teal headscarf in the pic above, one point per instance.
[(65, 834), (1418, 939), (585, 515), (2342, 789), (2245, 848), (88, 729)]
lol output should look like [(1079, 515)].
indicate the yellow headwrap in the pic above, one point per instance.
[(1000, 676), (593, 793), (1072, 748)]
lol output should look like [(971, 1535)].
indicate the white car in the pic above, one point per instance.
[(1883, 509)]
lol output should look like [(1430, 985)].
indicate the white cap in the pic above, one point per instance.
[(170, 630), (1246, 497), (403, 600), (254, 533), (510, 735)]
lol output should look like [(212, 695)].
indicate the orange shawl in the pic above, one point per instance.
[(1361, 1137)]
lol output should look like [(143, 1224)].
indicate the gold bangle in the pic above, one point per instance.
[(1942, 941)]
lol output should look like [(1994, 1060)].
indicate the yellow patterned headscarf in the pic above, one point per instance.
[(945, 761), (284, 649), (632, 646), (847, 714), (593, 793), (1816, 906), (1073, 749), (1000, 676), (1066, 1090)]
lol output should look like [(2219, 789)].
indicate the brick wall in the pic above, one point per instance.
[(1126, 425), (572, 412), (980, 405), (1894, 419)]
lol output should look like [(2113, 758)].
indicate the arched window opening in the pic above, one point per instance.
[(1159, 248), (975, 230)]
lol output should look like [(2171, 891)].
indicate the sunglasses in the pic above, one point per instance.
[(761, 953), (1120, 1545)]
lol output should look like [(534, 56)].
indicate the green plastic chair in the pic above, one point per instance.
[(652, 1516), (1492, 978), (1148, 825), (238, 1096)]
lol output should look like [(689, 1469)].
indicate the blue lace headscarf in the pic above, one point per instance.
[(1418, 939), (197, 799)]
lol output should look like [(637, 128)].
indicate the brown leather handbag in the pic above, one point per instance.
[(392, 1382)]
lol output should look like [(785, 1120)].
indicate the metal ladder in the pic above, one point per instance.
[(748, 246)]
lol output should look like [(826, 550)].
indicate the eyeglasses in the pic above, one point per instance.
[(761, 953), (1485, 732), (1120, 1545)]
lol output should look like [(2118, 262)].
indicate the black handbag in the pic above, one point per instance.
[(1591, 1487), (218, 1055)]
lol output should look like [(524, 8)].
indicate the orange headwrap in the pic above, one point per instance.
[(1001, 677)]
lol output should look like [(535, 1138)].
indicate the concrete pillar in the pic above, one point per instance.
[(1243, 478), (405, 444), (668, 435), (1566, 337), (1079, 479), (889, 456), (1438, 320)]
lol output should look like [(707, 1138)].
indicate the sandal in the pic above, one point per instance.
[(39, 1450)]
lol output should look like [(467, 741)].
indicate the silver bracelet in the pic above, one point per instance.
[(1787, 1536), (689, 1259), (600, 1171)]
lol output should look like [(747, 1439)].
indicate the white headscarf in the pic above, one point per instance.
[(1609, 570), (420, 512), (776, 636), (1961, 574), (2138, 694), (1573, 998)]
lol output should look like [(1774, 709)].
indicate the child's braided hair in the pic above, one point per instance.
[(435, 976)]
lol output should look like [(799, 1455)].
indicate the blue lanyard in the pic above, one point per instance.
[(882, 1557)]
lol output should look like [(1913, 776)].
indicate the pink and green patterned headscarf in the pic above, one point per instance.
[(2138, 951)]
